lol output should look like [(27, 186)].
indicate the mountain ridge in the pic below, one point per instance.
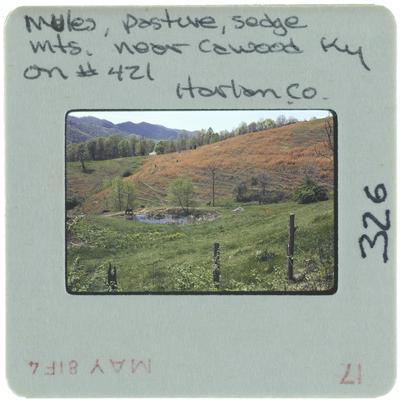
[(82, 129)]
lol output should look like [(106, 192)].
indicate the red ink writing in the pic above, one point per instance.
[(95, 367), (352, 374)]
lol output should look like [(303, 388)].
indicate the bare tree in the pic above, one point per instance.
[(263, 180), (123, 189), (118, 188), (281, 120), (212, 169), (327, 148), (82, 156), (309, 171)]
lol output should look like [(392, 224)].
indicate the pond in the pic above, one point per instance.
[(166, 219)]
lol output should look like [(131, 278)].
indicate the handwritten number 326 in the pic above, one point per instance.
[(379, 196)]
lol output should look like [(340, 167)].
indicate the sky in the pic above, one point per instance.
[(195, 120)]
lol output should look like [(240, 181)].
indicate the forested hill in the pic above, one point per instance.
[(82, 129)]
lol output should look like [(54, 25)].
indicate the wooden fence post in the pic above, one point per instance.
[(290, 249), (216, 264), (112, 278)]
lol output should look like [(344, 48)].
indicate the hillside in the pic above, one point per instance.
[(98, 175), (82, 129), (284, 153)]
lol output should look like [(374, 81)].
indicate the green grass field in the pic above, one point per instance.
[(98, 174), (175, 257)]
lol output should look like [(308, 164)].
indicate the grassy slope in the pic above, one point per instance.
[(283, 152), (179, 257), (98, 176)]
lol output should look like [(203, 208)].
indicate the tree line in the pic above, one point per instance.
[(115, 146), (112, 147)]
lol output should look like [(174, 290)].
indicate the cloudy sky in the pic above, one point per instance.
[(196, 120)]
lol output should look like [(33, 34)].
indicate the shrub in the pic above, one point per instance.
[(254, 181), (127, 173), (70, 203), (309, 192), (243, 194), (271, 197), (240, 192), (181, 192)]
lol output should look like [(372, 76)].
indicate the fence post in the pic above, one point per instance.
[(112, 278), (216, 264), (290, 249)]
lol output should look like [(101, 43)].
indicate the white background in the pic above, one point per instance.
[(7, 6)]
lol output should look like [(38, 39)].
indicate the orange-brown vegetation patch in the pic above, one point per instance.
[(285, 153), (275, 151)]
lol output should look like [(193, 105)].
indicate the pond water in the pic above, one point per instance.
[(167, 219)]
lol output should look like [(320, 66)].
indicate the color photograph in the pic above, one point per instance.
[(201, 202)]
